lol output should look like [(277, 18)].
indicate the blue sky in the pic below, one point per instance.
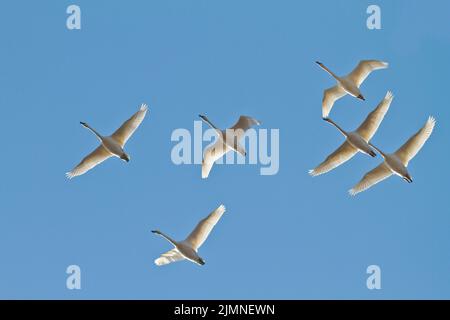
[(287, 236)]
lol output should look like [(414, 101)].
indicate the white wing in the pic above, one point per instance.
[(342, 154), (243, 124), (168, 257), (371, 178), (368, 128), (364, 68), (330, 95), (94, 158), (416, 142), (212, 153), (129, 127), (204, 227)]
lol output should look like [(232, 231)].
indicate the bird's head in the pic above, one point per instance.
[(360, 96), (156, 231), (319, 63), (200, 261), (408, 178), (125, 157), (84, 124)]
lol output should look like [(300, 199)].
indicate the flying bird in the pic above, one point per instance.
[(349, 84), (188, 248), (357, 140), (110, 145), (227, 140), (397, 162)]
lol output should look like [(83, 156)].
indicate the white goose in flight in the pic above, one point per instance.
[(187, 249), (228, 140), (110, 145), (396, 163), (357, 140), (349, 84)]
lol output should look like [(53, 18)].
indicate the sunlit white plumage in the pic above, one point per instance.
[(227, 140), (356, 141), (187, 249), (397, 162), (110, 145), (349, 84)]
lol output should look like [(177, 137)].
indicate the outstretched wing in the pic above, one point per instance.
[(129, 127), (342, 154), (368, 128), (169, 257), (371, 178), (242, 125), (204, 227), (212, 154), (416, 142), (330, 95), (364, 68), (94, 158)]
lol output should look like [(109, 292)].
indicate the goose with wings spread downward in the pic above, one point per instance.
[(397, 162), (227, 140), (110, 145), (187, 249)]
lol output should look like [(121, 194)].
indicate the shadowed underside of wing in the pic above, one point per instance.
[(94, 158), (129, 127), (342, 154), (212, 154), (330, 95), (416, 142), (363, 69), (371, 178), (169, 257), (368, 128), (243, 124), (204, 227)]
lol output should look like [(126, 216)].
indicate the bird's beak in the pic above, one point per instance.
[(361, 97)]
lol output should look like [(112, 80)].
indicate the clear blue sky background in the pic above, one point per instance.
[(284, 236)]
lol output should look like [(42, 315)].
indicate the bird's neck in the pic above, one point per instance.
[(94, 132), (330, 72), (337, 126), (168, 239), (379, 151)]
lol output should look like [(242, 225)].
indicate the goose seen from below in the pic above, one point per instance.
[(397, 162), (227, 140), (349, 84), (110, 145), (188, 248), (357, 140)]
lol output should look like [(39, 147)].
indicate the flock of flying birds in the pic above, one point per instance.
[(358, 140), (113, 146)]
